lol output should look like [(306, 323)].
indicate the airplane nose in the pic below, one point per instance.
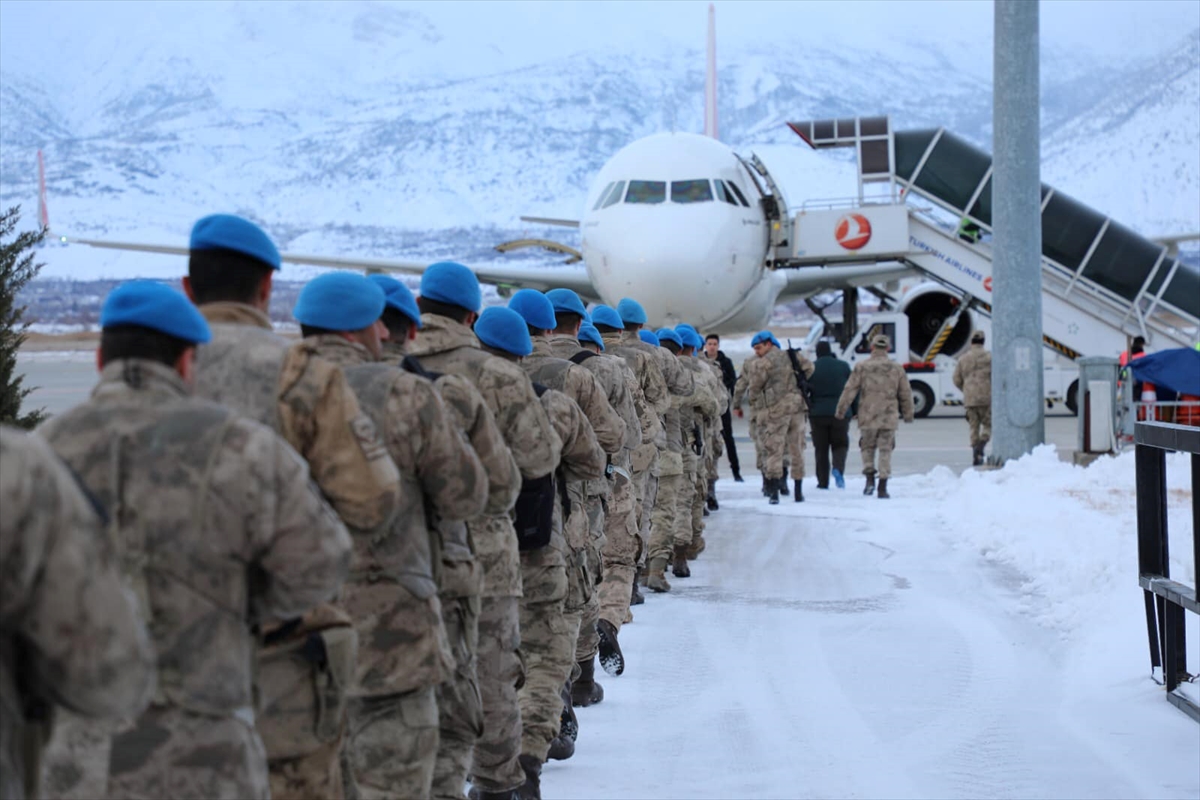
[(676, 273)]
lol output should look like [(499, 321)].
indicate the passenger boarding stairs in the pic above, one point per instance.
[(1101, 282)]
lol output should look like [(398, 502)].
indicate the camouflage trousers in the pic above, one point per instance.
[(682, 529), (646, 516), (166, 752), (588, 643), (494, 765), (391, 746), (662, 518), (548, 644), (699, 495), (782, 435), (979, 419), (881, 439), (460, 709), (619, 553), (315, 774), (753, 434)]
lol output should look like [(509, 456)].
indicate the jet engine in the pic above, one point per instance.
[(928, 306)]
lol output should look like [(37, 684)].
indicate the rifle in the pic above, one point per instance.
[(806, 390)]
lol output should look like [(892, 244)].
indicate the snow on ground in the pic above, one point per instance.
[(974, 636)]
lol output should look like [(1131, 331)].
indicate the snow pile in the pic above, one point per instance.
[(1067, 534)]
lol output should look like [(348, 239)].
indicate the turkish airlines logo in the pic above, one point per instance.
[(853, 231)]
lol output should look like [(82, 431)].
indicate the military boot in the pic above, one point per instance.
[(766, 486), (568, 724), (870, 487), (695, 548), (798, 495), (561, 748), (475, 793), (710, 501), (977, 455), (657, 580), (773, 491), (636, 598), (532, 788), (611, 657), (882, 494), (783, 487), (585, 691), (679, 567)]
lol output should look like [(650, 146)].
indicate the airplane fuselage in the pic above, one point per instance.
[(673, 220)]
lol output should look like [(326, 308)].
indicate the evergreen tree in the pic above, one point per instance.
[(16, 269)]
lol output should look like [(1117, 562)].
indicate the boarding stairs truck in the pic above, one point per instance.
[(1102, 283)]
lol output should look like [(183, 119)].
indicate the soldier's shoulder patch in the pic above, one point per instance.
[(369, 440)]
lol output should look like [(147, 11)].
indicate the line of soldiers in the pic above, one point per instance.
[(774, 381), (380, 561)]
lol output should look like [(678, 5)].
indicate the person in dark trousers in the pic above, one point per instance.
[(829, 432), (712, 351)]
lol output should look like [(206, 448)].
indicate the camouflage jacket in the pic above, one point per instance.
[(70, 632), (642, 358), (392, 592), (772, 384), (641, 374), (470, 413), (261, 375), (446, 346), (587, 389), (718, 385), (582, 460), (741, 389), (704, 398), (882, 390), (973, 377), (215, 521)]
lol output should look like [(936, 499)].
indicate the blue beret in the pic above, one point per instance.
[(688, 335), (685, 326), (535, 308), (566, 300), (504, 329), (452, 283), (631, 311), (339, 301), (154, 305), (760, 337), (588, 333), (603, 315), (398, 296), (648, 337), (668, 335), (775, 342), (227, 232)]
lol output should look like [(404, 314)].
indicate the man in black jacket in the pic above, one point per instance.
[(828, 431), (712, 343)]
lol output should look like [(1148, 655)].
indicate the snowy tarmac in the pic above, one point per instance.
[(975, 636)]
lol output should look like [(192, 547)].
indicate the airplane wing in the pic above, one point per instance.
[(806, 281), (562, 223), (541, 278)]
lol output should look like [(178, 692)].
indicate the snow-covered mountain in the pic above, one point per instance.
[(370, 129)]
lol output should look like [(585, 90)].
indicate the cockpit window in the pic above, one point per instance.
[(614, 196), (723, 193), (646, 192), (734, 187), (697, 191), (603, 195)]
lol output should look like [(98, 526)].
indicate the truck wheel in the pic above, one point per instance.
[(922, 399), (1073, 398)]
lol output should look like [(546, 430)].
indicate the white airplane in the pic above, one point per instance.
[(674, 220)]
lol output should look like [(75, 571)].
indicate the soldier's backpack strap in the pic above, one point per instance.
[(410, 364), (582, 356), (534, 510)]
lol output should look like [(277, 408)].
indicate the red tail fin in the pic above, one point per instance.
[(43, 211)]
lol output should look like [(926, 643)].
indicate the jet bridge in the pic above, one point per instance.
[(1101, 281)]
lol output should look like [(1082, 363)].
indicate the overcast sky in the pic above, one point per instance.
[(527, 30)]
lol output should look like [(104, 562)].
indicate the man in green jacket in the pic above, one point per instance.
[(829, 432)]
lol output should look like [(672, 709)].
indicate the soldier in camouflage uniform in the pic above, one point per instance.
[(884, 395), (449, 300), (973, 377), (306, 400), (218, 527), (70, 633), (460, 713), (391, 593), (547, 634), (741, 390), (773, 392), (706, 416), (663, 527)]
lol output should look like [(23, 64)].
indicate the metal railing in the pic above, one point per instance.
[(1166, 600)]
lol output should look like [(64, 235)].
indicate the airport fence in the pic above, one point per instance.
[(1167, 601)]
